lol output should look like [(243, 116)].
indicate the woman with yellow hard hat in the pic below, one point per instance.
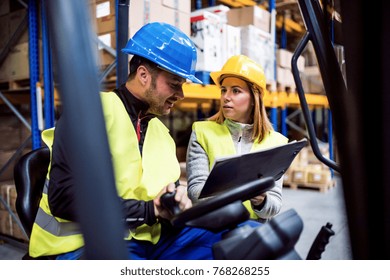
[(240, 126)]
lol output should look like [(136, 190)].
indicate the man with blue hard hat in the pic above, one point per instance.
[(143, 155)]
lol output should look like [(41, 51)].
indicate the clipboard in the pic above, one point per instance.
[(233, 171)]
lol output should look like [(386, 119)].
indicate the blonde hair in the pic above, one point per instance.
[(261, 122)]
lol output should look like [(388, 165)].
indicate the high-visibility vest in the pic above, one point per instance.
[(217, 141), (136, 177)]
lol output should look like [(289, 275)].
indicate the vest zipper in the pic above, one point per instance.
[(239, 142)]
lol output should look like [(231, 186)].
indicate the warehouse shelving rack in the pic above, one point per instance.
[(276, 102)]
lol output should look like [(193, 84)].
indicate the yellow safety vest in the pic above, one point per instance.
[(136, 177), (217, 141)]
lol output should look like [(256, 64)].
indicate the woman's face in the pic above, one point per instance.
[(236, 100)]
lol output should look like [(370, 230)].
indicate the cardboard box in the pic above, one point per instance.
[(252, 15), (143, 12), (104, 8), (319, 176), (18, 62), (231, 41), (284, 58), (285, 77), (8, 172), (106, 24), (105, 16), (105, 57), (303, 155), (5, 158), (312, 80), (312, 159), (17, 232), (257, 44), (207, 34), (12, 132), (287, 176), (299, 175), (5, 223), (220, 10), (8, 193)]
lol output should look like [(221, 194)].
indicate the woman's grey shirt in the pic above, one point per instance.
[(197, 168)]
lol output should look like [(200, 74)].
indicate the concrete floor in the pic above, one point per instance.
[(315, 208), (11, 250)]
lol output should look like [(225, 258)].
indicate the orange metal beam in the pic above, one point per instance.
[(289, 25), (247, 2), (204, 93), (232, 3)]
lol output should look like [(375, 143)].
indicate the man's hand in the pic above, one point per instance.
[(181, 198)]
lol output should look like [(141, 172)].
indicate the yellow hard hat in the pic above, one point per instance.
[(243, 67)]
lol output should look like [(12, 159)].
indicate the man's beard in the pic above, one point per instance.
[(155, 106)]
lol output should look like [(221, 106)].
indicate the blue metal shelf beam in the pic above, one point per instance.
[(48, 73), (34, 70), (122, 33)]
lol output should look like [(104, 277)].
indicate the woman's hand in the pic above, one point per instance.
[(258, 200)]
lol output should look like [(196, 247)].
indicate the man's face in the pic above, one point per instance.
[(164, 90)]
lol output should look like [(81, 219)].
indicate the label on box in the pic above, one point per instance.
[(103, 9)]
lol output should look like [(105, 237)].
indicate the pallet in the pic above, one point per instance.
[(16, 91), (17, 84), (321, 187)]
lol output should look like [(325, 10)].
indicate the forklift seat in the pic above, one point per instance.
[(29, 176)]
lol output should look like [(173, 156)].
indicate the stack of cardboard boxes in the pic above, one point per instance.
[(8, 224), (256, 40), (284, 74), (12, 134), (220, 32), (14, 70), (16, 64), (311, 77), (141, 12), (307, 171)]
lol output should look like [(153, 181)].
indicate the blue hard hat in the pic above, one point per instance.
[(166, 46)]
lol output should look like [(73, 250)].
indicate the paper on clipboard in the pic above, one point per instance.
[(232, 171)]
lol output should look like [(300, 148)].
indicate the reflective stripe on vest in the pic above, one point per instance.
[(50, 224)]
